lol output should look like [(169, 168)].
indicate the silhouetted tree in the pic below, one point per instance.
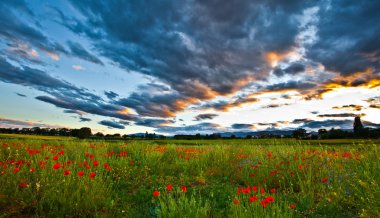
[(84, 132), (299, 133), (358, 126)]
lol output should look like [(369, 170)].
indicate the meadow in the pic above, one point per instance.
[(56, 177)]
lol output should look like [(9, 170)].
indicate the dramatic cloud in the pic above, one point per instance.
[(11, 123), (242, 126), (77, 50), (200, 117), (342, 124), (341, 115), (63, 94), (21, 95), (349, 107), (192, 129), (112, 124), (84, 119), (153, 122)]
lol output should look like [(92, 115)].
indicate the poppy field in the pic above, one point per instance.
[(169, 178)]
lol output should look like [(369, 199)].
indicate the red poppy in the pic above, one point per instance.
[(80, 173), (253, 198), (273, 190), (61, 152), (254, 188), (105, 165), (55, 157), (300, 166), (262, 191), (324, 179), (236, 202), (96, 163), (169, 187), (109, 168), (270, 199), (66, 172), (32, 170), (91, 156), (156, 193), (184, 189), (56, 166), (16, 169), (92, 175), (292, 206), (23, 185)]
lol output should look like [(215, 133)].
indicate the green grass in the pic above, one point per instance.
[(214, 172)]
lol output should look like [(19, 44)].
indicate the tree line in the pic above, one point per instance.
[(358, 131)]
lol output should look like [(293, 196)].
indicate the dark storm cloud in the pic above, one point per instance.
[(77, 50), (111, 94), (11, 123), (153, 122), (299, 121), (15, 29), (292, 69), (84, 119), (112, 124), (344, 124), (349, 36), (21, 95), (197, 128), (225, 105), (341, 115), (291, 85), (62, 94), (242, 126), (349, 107), (199, 49), (200, 117)]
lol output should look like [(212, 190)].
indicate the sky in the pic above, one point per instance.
[(191, 66)]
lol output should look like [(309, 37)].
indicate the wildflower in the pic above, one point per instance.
[(253, 198), (262, 191), (105, 165), (273, 190), (16, 169), (324, 179), (156, 193), (91, 156), (254, 188), (96, 163), (292, 206), (80, 173), (61, 152), (23, 184), (184, 189), (270, 199), (55, 157), (56, 166), (300, 166), (66, 172), (92, 175), (32, 170), (169, 187), (109, 168), (236, 202)]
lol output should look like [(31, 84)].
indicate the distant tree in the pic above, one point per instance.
[(99, 135), (299, 133), (233, 136), (358, 126), (248, 137), (84, 132)]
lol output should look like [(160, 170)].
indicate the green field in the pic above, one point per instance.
[(66, 177)]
